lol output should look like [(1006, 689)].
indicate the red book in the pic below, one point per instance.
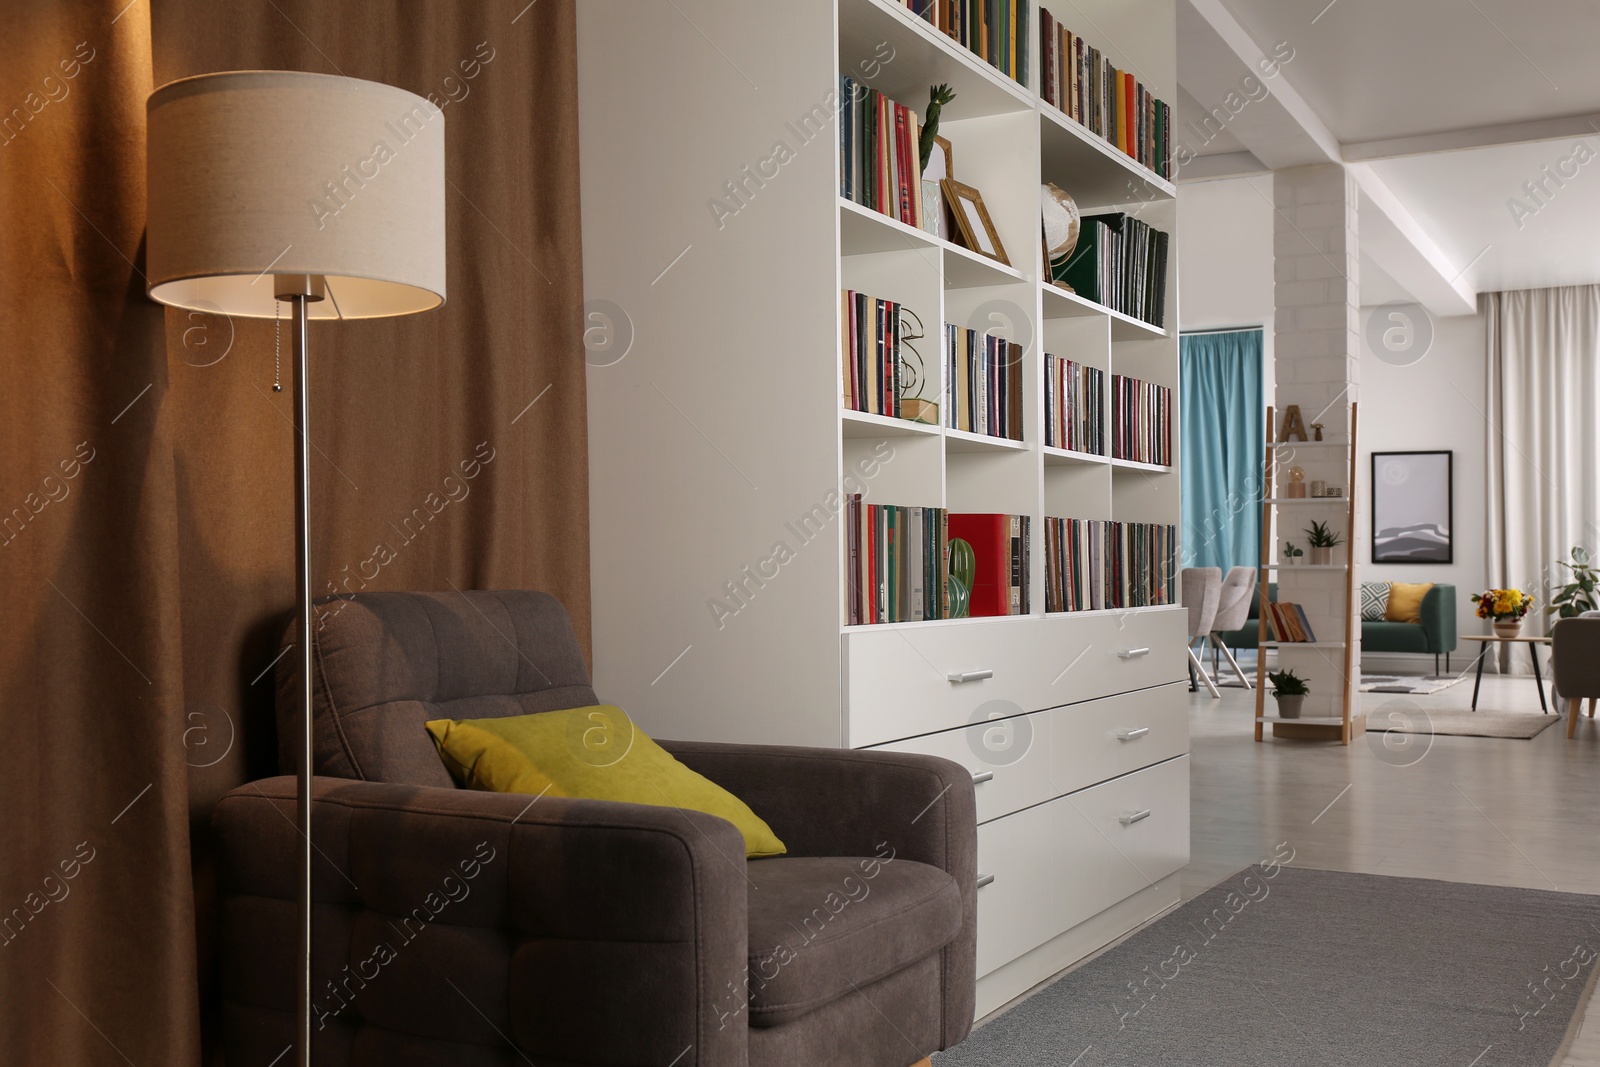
[(1129, 110), (990, 538)]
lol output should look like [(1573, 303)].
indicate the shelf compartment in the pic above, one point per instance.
[(964, 441), (1070, 457), (1060, 304), (1091, 168), (865, 424), (863, 230), (922, 57)]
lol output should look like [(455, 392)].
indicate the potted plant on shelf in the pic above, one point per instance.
[(1292, 554), (1290, 691), (1579, 595), (1322, 541), (1506, 607)]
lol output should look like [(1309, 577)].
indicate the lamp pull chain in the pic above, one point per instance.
[(277, 349)]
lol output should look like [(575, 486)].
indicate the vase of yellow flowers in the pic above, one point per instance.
[(1506, 607)]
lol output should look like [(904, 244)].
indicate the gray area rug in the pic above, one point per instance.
[(1408, 683), (1459, 722), (1282, 966)]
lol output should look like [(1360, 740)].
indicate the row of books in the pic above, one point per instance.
[(1074, 405), (1287, 622), (880, 165), (871, 354), (1001, 547), (899, 566), (1077, 79), (1141, 421), (1093, 564), (996, 31), (983, 383), (1121, 262)]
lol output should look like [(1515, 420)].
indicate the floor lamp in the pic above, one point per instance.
[(322, 193)]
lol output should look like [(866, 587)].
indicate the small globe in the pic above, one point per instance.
[(1061, 220)]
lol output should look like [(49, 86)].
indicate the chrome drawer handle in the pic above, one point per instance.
[(1133, 653), (1132, 735), (984, 879), (1138, 816), (969, 676), (982, 776)]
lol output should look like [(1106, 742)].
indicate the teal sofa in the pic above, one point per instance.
[(1435, 635)]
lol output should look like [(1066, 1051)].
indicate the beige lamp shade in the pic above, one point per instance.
[(260, 173)]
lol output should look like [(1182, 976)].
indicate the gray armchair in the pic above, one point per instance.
[(468, 928), (1575, 655)]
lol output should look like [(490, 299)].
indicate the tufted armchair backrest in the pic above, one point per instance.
[(386, 663)]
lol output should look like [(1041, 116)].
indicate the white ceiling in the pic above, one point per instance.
[(1452, 105), (1379, 69)]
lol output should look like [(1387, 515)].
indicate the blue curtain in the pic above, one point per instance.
[(1221, 407)]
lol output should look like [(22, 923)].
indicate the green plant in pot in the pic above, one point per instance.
[(1292, 554), (1290, 691), (1579, 595), (1322, 541)]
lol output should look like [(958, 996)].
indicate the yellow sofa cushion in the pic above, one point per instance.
[(594, 753), (1405, 601)]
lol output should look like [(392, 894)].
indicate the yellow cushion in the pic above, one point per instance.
[(595, 753), (1405, 601)]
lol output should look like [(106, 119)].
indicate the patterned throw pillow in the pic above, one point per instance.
[(1374, 601)]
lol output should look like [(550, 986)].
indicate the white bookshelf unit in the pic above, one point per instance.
[(720, 456)]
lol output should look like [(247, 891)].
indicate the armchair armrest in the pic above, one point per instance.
[(579, 931), (848, 802), (1438, 615)]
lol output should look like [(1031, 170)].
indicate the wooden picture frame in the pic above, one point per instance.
[(972, 221), (1413, 507)]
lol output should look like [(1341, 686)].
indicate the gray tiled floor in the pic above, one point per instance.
[(1467, 809)]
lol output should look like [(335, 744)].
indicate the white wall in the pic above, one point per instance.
[(1437, 402), (1225, 258)]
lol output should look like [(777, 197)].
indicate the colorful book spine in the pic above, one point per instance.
[(898, 563), (870, 357), (983, 376), (1074, 406), (879, 159), (1141, 421)]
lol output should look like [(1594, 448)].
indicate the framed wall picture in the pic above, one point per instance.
[(1413, 497), (977, 231)]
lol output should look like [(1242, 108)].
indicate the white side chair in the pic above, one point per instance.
[(1202, 586), (1233, 610)]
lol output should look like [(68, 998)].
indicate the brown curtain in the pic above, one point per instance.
[(146, 526)]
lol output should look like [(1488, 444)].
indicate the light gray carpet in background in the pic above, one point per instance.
[(1278, 966)]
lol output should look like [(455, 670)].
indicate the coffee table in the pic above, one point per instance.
[(1533, 650)]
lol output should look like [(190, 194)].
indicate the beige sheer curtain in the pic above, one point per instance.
[(1543, 439)]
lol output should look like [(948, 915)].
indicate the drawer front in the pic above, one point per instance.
[(1128, 849), (909, 680), (1021, 908), (1027, 759), (1010, 760), (1102, 739), (1059, 864)]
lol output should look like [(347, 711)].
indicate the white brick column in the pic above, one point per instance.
[(1317, 343)]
